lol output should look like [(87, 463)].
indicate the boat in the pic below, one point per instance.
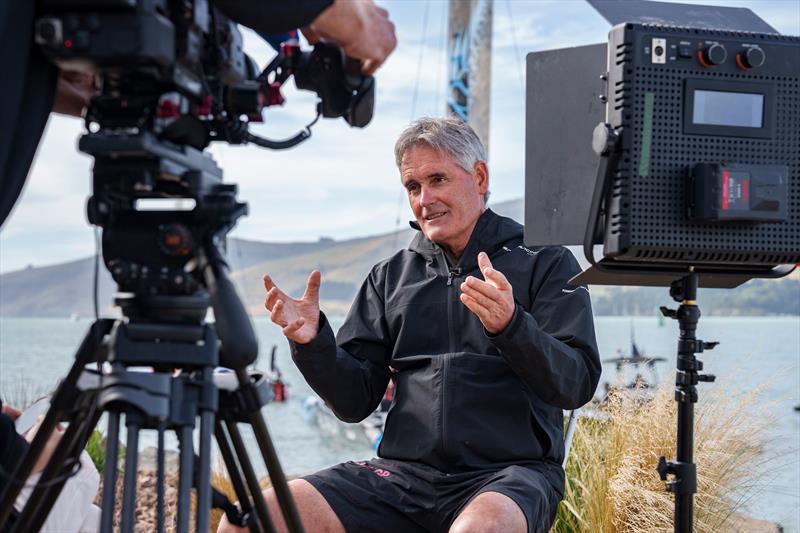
[(369, 431), (280, 391), (639, 362)]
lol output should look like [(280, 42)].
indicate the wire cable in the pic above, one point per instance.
[(442, 48), (516, 48), (419, 60), (413, 112)]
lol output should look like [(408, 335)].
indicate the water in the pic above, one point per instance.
[(35, 353)]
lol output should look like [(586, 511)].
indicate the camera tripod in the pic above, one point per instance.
[(165, 333)]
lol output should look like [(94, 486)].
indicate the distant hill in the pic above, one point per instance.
[(65, 289)]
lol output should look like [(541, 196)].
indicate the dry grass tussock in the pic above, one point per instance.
[(612, 484)]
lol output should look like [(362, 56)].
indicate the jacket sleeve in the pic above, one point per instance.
[(552, 348), (351, 377), (273, 16)]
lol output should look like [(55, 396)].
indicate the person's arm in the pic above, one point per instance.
[(73, 93), (360, 27), (352, 376), (552, 348), (273, 16), (12, 445)]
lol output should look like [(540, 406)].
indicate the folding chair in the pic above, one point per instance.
[(570, 431)]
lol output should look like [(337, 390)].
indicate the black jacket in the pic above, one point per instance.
[(463, 399)]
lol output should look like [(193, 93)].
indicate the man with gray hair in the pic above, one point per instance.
[(486, 344)]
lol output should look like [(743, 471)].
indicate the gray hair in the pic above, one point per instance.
[(449, 136)]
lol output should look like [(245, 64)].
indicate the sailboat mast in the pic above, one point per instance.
[(469, 76)]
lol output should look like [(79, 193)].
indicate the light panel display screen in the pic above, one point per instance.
[(718, 108)]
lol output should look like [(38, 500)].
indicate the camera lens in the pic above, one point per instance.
[(659, 51), (47, 31)]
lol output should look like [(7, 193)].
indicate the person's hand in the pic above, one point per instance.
[(298, 318), (492, 300), (361, 28), (10, 412), (73, 93), (49, 447)]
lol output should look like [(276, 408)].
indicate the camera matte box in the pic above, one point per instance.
[(749, 114)]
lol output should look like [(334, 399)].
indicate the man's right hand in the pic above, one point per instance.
[(361, 28), (299, 319)]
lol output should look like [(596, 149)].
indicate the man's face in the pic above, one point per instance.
[(446, 199)]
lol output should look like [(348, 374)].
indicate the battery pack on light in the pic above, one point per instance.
[(736, 192)]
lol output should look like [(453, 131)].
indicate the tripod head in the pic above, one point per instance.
[(174, 78)]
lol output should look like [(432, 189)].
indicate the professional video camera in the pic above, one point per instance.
[(172, 78), (698, 179)]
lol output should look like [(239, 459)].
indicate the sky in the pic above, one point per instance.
[(342, 182)]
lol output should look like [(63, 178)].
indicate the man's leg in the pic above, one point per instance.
[(491, 512), (315, 513)]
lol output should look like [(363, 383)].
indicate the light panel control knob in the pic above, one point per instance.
[(713, 55), (752, 57)]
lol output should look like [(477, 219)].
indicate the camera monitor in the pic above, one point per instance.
[(701, 165)]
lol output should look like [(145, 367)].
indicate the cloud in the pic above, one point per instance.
[(342, 182)]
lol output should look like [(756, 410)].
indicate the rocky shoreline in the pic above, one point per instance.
[(145, 513)]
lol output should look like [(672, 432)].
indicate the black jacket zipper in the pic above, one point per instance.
[(453, 272)]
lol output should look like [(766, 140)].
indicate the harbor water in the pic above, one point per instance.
[(753, 352)]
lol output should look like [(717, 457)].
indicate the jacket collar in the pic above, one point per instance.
[(490, 233)]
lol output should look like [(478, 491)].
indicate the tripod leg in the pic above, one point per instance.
[(276, 475), (81, 436), (235, 473), (64, 396), (204, 477), (110, 472), (129, 483), (185, 482), (250, 477), (54, 476), (160, 480)]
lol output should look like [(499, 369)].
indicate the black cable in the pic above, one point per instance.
[(284, 144)]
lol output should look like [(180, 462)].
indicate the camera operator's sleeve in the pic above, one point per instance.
[(26, 97), (553, 348), (12, 447), (273, 16), (352, 376)]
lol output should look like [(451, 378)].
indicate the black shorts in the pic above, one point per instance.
[(399, 496)]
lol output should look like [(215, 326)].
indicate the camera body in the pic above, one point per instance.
[(709, 163), (173, 78)]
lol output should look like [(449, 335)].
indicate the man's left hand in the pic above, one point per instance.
[(491, 300)]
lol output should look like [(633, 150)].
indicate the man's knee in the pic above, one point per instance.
[(491, 512), (314, 511)]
